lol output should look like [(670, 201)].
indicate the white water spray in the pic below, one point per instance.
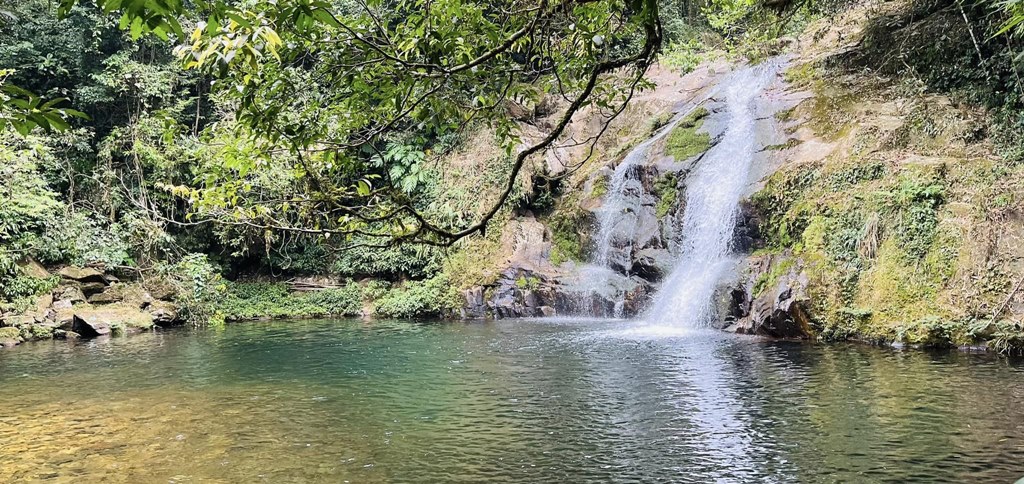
[(617, 217), (713, 194)]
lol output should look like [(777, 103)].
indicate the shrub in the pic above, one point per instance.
[(429, 298), (254, 300), (198, 287)]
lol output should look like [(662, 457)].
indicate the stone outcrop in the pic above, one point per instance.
[(769, 299), (90, 325), (82, 274), (87, 303)]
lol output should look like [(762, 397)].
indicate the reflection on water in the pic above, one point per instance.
[(513, 401)]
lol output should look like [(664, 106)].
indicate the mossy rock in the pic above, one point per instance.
[(686, 140)]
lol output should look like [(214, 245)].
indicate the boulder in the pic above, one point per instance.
[(90, 288), (10, 337), (145, 300), (780, 310), (652, 264), (474, 307), (44, 302), (71, 294), (31, 268), (110, 295), (90, 326), (163, 313), (648, 230), (9, 343), (82, 274), (161, 292), (62, 304), (90, 321)]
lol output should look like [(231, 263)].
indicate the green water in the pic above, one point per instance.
[(509, 401)]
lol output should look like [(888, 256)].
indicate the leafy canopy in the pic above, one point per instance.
[(321, 90)]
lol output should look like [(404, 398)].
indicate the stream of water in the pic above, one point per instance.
[(713, 195), (506, 401)]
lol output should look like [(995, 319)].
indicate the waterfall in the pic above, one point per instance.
[(713, 194), (624, 192), (616, 220)]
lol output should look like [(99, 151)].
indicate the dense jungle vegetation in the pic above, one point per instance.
[(207, 141)]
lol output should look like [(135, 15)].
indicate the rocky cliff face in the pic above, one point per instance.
[(642, 239), (872, 212)]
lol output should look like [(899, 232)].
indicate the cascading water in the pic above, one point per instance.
[(616, 220), (713, 194)]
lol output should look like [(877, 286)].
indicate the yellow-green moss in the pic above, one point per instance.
[(768, 279), (666, 188), (10, 333), (685, 140), (569, 229)]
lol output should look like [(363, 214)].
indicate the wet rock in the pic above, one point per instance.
[(64, 334), (781, 310), (522, 293), (635, 299), (9, 343), (648, 231), (474, 307), (530, 299), (746, 235), (548, 311), (90, 326), (82, 274), (163, 313), (652, 264)]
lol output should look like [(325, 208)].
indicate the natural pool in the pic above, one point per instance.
[(509, 401)]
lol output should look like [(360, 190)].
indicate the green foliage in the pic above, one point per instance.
[(685, 140), (24, 111), (413, 299), (198, 287), (685, 56), (914, 207), (406, 260), (530, 283), (255, 300), (784, 219), (1008, 337), (768, 279), (666, 188), (931, 332), (570, 228)]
